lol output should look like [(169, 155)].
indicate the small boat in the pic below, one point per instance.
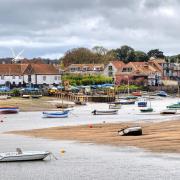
[(26, 96), (126, 102), (36, 96), (9, 110), (168, 111), (107, 112), (142, 103), (144, 110), (137, 93), (174, 106), (62, 105), (130, 131), (131, 97), (20, 155), (4, 97), (162, 94), (115, 106), (80, 102), (59, 114)]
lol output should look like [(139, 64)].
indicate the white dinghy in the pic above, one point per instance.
[(20, 155)]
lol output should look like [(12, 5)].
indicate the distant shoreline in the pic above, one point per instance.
[(157, 137)]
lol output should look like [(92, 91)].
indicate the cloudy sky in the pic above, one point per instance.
[(48, 28)]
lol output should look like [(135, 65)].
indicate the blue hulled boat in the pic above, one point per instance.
[(59, 114), (9, 110)]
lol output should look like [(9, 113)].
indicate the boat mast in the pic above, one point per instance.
[(128, 85)]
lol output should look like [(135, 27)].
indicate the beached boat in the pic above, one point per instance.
[(59, 114), (23, 155), (4, 97), (137, 93), (144, 110), (115, 106), (25, 96), (162, 94), (127, 101), (142, 103), (174, 106), (168, 111), (35, 96), (107, 112), (80, 102), (130, 131), (9, 110), (65, 106)]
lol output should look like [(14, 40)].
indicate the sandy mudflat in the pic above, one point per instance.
[(41, 104), (157, 137)]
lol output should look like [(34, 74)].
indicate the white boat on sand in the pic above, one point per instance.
[(107, 112), (23, 155)]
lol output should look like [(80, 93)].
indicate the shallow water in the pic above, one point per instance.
[(82, 115), (85, 161)]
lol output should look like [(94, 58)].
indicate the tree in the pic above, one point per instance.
[(124, 53), (80, 56), (141, 56), (100, 50), (155, 53)]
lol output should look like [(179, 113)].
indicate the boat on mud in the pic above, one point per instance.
[(142, 103), (58, 114), (130, 131), (162, 94), (9, 109), (114, 106), (144, 110), (80, 102), (107, 112), (168, 111), (174, 106), (20, 155)]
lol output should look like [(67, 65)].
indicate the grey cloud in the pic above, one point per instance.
[(53, 26)]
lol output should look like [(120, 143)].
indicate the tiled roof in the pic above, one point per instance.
[(12, 69), (44, 69), (20, 69), (117, 64), (87, 65)]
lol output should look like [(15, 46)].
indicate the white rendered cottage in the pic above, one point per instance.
[(37, 74)]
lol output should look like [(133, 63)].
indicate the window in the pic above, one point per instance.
[(110, 74), (20, 77), (13, 77), (110, 68), (44, 78), (2, 77), (55, 78)]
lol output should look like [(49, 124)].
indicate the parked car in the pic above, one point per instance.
[(4, 89)]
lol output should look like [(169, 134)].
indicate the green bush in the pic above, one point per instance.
[(78, 79), (15, 92)]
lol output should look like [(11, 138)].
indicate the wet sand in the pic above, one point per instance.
[(28, 105), (157, 137)]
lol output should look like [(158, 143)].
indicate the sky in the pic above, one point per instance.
[(48, 28)]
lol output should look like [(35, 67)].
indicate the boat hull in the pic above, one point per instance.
[(168, 112), (132, 131), (142, 104), (9, 110), (13, 156), (113, 112), (114, 106), (146, 110), (63, 114)]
